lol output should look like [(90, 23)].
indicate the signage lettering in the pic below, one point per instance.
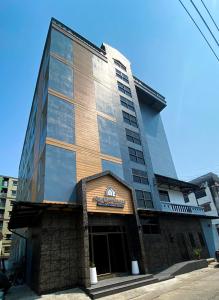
[(109, 202)]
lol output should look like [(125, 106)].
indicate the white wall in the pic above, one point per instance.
[(207, 199), (177, 197)]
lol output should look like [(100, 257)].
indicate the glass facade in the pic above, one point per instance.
[(60, 77)]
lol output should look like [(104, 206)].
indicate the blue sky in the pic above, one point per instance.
[(166, 51)]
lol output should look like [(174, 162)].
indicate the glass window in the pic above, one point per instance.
[(119, 64), (151, 226), (61, 45), (61, 77), (200, 194), (144, 199), (206, 206), (15, 182), (122, 76), (129, 119), (140, 176), (136, 155), (127, 103), (164, 196), (186, 198), (124, 89), (133, 137), (13, 193)]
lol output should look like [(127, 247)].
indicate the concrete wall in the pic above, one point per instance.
[(163, 250), (157, 142)]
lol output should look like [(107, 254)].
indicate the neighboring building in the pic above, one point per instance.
[(87, 185), (8, 190), (208, 198)]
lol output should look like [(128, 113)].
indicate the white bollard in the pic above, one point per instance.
[(93, 275), (135, 268)]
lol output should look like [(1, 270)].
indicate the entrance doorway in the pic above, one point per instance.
[(107, 249)]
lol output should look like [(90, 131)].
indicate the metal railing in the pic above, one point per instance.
[(181, 208)]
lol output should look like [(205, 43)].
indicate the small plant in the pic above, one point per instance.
[(197, 253), (92, 264)]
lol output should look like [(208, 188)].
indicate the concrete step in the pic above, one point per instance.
[(123, 286), (117, 281)]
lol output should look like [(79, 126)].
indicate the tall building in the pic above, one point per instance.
[(8, 190), (96, 179)]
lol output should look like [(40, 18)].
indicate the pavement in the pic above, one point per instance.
[(201, 284)]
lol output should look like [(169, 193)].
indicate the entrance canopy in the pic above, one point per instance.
[(26, 214), (107, 193)]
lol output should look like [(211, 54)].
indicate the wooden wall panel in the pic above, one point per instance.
[(88, 159), (97, 188)]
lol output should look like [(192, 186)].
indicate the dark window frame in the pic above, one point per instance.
[(206, 206), (119, 64), (151, 226), (133, 137), (124, 89), (145, 198), (129, 119), (127, 103), (140, 176), (136, 155), (200, 194), (164, 196), (122, 76)]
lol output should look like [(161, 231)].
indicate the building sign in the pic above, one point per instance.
[(109, 200)]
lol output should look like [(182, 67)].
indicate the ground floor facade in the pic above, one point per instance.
[(106, 229)]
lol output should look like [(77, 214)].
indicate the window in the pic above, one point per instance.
[(140, 176), (164, 196), (2, 202), (133, 137), (144, 199), (192, 240), (13, 193), (119, 64), (136, 156), (129, 119), (7, 249), (8, 236), (151, 226), (14, 182), (186, 198), (124, 89), (5, 183), (201, 239), (127, 103), (206, 206), (122, 76), (200, 194)]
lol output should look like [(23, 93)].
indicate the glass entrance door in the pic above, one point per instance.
[(101, 253), (107, 251)]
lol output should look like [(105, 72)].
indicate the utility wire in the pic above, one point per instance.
[(204, 22), (210, 15), (199, 30)]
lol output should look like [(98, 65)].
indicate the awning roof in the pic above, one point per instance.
[(173, 183), (26, 214)]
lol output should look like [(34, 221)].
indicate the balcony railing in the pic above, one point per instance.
[(183, 209)]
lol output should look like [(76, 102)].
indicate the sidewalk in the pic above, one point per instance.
[(198, 285)]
